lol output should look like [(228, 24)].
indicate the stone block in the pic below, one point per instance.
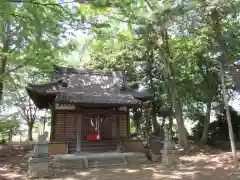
[(156, 157), (169, 157), (38, 167), (132, 158), (40, 150), (70, 164), (137, 160)]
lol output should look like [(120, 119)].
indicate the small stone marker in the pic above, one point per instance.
[(168, 152), (38, 163), (41, 148)]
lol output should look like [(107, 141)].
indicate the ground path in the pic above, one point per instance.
[(198, 166)]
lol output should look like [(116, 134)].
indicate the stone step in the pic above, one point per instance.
[(93, 146), (99, 149), (98, 160), (97, 143), (120, 161)]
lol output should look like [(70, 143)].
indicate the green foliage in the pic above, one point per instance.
[(8, 127), (3, 141), (170, 48), (218, 130), (133, 42), (32, 35)]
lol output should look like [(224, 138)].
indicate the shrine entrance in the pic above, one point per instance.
[(96, 128)]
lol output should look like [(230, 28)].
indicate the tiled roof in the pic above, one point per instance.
[(88, 86)]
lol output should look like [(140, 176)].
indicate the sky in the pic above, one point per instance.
[(235, 104)]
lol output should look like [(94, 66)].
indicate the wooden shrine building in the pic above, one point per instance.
[(90, 110)]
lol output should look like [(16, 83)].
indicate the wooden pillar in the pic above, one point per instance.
[(52, 123), (118, 135), (146, 114), (128, 124), (79, 133)]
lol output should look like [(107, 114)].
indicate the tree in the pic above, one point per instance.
[(19, 99), (9, 126), (174, 47), (30, 34), (148, 46), (224, 57), (29, 113)]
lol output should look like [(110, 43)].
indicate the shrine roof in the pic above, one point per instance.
[(85, 86)]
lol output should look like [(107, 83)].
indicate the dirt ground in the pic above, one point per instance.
[(213, 165)]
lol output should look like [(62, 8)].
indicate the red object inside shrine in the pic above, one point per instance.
[(93, 137)]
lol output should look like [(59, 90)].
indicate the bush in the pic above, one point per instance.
[(218, 130)]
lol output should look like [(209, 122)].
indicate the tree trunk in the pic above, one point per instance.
[(3, 138), (30, 130), (10, 135), (170, 118), (2, 71), (176, 102), (136, 119), (3, 59), (182, 133), (148, 124), (223, 58), (204, 138), (155, 124), (229, 121), (44, 122), (177, 111), (163, 124)]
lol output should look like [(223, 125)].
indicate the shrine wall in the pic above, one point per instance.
[(65, 126)]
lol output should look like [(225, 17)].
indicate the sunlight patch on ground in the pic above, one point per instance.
[(131, 170), (188, 173), (10, 175), (83, 173), (160, 176)]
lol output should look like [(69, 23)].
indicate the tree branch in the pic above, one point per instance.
[(19, 66), (34, 2), (149, 4)]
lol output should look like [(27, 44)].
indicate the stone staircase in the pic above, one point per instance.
[(94, 146)]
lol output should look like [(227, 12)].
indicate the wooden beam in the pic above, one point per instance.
[(52, 123), (118, 135), (79, 133), (64, 124), (128, 123)]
